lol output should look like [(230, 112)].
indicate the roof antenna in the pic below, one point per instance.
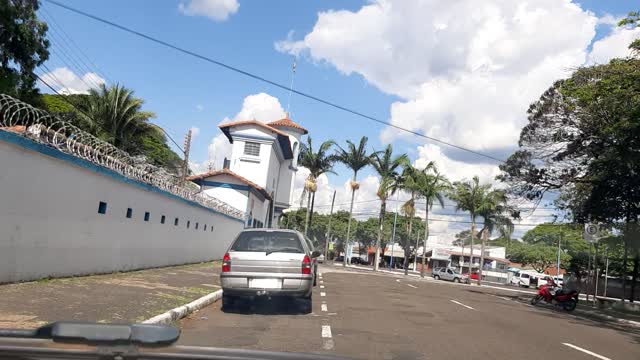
[(293, 74)]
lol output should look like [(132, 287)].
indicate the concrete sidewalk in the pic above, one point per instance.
[(120, 297)]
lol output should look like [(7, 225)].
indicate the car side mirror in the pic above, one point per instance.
[(315, 253)]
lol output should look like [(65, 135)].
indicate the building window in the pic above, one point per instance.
[(146, 216), (188, 223), (162, 218), (197, 226), (129, 213), (175, 222), (102, 207), (251, 148)]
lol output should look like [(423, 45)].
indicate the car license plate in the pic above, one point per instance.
[(265, 283)]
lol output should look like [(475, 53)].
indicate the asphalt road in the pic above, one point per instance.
[(383, 316)]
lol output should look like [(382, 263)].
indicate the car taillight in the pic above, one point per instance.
[(226, 263), (306, 265)]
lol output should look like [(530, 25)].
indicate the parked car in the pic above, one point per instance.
[(474, 275), (268, 262), (320, 259), (449, 274), (357, 260)]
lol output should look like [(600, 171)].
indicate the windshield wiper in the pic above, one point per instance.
[(285, 249)]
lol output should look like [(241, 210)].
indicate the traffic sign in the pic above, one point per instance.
[(591, 232)]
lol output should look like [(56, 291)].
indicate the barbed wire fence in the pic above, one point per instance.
[(38, 125)]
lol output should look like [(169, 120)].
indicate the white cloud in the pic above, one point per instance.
[(468, 82), (609, 19), (199, 107), (261, 106), (66, 81), (454, 170), (195, 131), (614, 45), (217, 10)]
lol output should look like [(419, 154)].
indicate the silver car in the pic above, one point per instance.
[(449, 274), (269, 262)]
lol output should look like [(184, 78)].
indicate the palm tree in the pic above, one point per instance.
[(410, 183), (355, 158), (432, 187), (317, 163), (493, 212), (116, 116), (476, 199), (387, 166)]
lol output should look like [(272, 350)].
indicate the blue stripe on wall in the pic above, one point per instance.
[(222, 185), (55, 153)]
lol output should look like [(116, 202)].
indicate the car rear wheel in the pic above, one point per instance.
[(228, 302), (306, 305), (436, 277)]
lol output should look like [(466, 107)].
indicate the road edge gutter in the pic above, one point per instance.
[(184, 310)]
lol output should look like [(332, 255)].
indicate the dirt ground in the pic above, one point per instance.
[(119, 297)]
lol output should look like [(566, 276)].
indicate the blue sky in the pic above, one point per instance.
[(377, 57)]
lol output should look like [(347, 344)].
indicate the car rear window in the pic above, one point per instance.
[(268, 241)]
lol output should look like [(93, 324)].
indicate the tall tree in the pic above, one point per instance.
[(317, 163), (582, 140), (496, 216), (355, 158), (433, 187), (409, 182), (23, 47), (387, 166), (117, 116), (476, 199)]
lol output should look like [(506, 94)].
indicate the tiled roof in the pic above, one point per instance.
[(16, 129), (243, 179), (252, 122), (286, 122)]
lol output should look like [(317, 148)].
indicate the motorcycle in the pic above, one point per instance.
[(566, 299)]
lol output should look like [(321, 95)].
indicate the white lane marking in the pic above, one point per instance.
[(461, 304), (397, 280), (326, 331), (323, 307), (327, 341), (504, 298), (323, 293), (586, 351), (320, 274), (321, 286), (321, 281), (415, 287)]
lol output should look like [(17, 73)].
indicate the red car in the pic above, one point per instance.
[(474, 275)]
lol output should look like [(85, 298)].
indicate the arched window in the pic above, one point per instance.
[(295, 154)]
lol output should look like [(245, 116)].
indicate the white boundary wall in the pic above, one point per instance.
[(50, 225)]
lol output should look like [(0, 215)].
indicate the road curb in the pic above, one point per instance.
[(184, 310)]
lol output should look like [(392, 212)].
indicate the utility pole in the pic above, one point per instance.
[(558, 265), (328, 237), (426, 238), (595, 275), (485, 233), (185, 164), (393, 236), (606, 269), (589, 274)]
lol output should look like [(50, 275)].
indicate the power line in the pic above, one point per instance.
[(265, 80), (64, 33)]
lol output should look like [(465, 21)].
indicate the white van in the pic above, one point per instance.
[(521, 278)]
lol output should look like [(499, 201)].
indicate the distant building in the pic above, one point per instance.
[(258, 178)]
